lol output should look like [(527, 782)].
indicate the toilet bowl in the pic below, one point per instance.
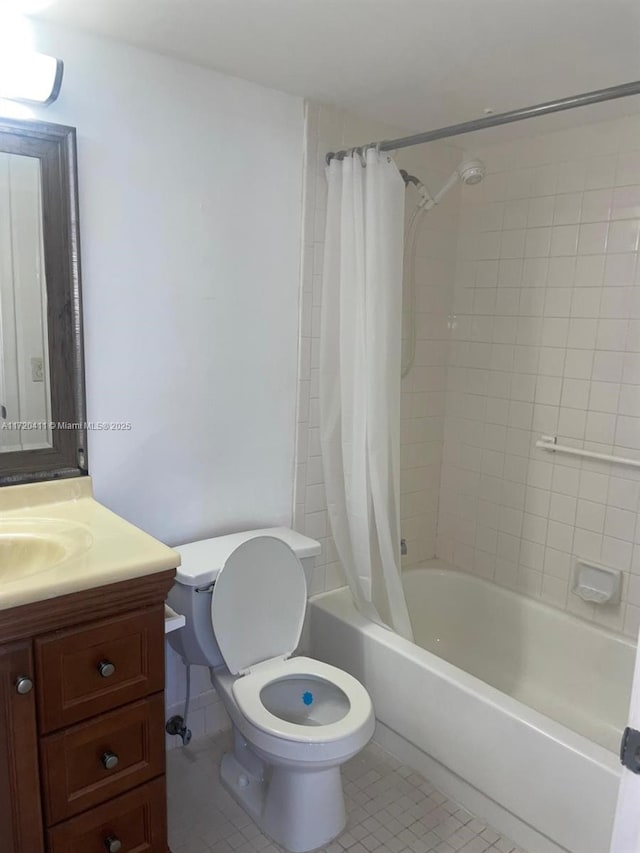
[(295, 720)]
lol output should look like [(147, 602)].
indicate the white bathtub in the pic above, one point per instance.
[(516, 707)]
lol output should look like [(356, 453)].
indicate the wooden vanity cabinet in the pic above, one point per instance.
[(82, 741), (20, 812)]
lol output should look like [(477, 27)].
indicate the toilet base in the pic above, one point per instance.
[(299, 809), (246, 788)]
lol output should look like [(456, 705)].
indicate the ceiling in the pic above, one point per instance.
[(417, 64)]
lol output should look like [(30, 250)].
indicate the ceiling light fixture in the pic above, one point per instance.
[(32, 78)]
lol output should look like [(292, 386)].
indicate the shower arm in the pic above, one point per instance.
[(451, 181), (428, 201)]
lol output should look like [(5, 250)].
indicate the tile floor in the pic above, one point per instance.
[(390, 808)]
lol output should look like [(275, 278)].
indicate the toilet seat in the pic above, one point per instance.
[(247, 689), (258, 604)]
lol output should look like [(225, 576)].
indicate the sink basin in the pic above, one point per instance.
[(39, 544), (56, 540)]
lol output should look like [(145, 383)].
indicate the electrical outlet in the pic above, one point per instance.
[(37, 370)]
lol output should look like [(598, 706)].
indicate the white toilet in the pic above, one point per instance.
[(295, 720)]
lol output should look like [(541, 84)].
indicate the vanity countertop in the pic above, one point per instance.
[(56, 539)]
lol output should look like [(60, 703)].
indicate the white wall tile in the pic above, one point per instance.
[(619, 523), (578, 363), (564, 359), (628, 168), (564, 240), (593, 238), (567, 208), (596, 205), (600, 428), (625, 202), (590, 270), (575, 393), (590, 516), (624, 493), (623, 236)]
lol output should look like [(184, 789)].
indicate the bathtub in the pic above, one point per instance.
[(513, 707)]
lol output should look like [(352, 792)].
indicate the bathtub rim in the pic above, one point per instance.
[(438, 566), (594, 752)]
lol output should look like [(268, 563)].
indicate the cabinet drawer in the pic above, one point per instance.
[(88, 670), (137, 820), (94, 761)]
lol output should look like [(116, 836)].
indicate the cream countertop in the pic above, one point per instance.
[(97, 546)]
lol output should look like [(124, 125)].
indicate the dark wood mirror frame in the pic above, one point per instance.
[(55, 146)]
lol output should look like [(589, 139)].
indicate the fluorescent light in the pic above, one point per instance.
[(31, 77)]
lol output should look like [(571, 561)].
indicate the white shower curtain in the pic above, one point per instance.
[(360, 354)]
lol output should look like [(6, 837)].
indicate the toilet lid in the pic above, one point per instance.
[(258, 603)]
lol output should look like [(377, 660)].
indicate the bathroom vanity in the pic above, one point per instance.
[(82, 742), (82, 720)]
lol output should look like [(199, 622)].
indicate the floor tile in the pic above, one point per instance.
[(391, 809)]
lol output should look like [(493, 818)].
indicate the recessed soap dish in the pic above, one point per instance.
[(597, 584)]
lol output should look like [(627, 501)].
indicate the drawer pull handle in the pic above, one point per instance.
[(113, 844), (106, 668), (24, 685), (110, 760)]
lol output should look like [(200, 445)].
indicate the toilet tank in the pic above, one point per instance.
[(191, 593)]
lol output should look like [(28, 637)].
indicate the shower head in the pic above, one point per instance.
[(471, 171)]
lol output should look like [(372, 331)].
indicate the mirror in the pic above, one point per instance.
[(24, 364), (42, 409)]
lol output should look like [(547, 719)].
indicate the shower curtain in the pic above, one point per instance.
[(360, 354)]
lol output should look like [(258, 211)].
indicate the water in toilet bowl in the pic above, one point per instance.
[(305, 701)]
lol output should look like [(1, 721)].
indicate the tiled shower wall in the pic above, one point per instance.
[(423, 390), (546, 340), (424, 386)]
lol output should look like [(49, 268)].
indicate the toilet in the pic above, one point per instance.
[(295, 720)]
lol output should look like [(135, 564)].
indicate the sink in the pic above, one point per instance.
[(38, 544)]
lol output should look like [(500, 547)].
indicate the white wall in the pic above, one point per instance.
[(190, 195), (190, 213)]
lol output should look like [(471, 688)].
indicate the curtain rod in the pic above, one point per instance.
[(570, 103)]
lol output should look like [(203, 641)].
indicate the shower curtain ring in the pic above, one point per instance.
[(379, 150)]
